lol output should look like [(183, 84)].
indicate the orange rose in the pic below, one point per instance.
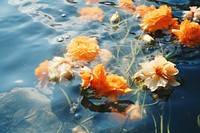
[(83, 48), (91, 13), (86, 78), (188, 34), (158, 19), (105, 85), (116, 85), (98, 82), (143, 10)]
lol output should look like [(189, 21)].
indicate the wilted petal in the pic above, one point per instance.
[(105, 56), (155, 82), (91, 13), (173, 82)]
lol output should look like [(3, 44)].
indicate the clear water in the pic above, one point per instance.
[(29, 32)]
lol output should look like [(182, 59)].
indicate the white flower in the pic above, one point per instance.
[(197, 15), (187, 14), (158, 73), (194, 13), (60, 69)]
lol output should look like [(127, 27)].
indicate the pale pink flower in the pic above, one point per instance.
[(157, 73), (60, 69), (197, 15), (194, 13)]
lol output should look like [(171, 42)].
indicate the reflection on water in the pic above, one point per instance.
[(30, 109)]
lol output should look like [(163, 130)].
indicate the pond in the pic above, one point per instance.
[(33, 31)]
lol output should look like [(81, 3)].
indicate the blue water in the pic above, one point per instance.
[(29, 30)]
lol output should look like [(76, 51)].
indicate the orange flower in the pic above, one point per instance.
[(158, 73), (91, 13), (105, 85), (116, 85), (188, 34), (143, 10), (99, 80), (42, 72), (158, 19), (86, 78), (126, 6), (83, 48)]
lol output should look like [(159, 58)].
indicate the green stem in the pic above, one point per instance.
[(66, 96), (161, 124)]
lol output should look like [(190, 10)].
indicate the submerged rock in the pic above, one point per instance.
[(26, 110)]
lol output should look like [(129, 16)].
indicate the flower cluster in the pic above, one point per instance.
[(157, 73), (161, 19), (60, 69), (106, 85)]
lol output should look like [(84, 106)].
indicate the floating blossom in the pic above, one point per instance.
[(188, 34), (91, 13), (190, 14), (116, 85), (104, 85), (83, 48), (197, 15), (194, 13), (143, 10), (42, 72), (157, 73), (105, 56), (158, 19), (126, 6), (60, 69)]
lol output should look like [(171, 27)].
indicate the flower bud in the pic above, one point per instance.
[(148, 39), (115, 17)]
